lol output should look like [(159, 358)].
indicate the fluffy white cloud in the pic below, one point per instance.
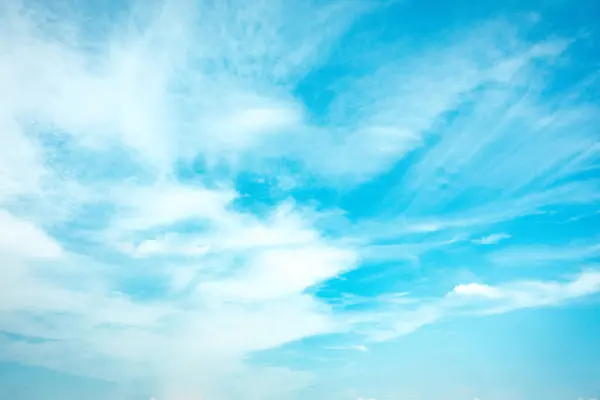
[(23, 239), (389, 320), (492, 239), (477, 289), (147, 91), (209, 88)]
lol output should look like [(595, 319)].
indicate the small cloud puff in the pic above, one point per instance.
[(477, 289), (492, 239)]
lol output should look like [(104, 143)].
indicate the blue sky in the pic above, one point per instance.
[(386, 200)]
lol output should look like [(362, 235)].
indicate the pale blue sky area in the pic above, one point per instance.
[(291, 200)]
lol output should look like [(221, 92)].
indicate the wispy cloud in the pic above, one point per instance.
[(158, 95), (358, 347), (526, 294), (540, 255), (133, 252), (473, 299), (492, 239)]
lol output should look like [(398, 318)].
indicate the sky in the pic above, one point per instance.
[(299, 199)]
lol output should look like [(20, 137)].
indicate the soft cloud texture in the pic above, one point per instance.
[(189, 189), (492, 239)]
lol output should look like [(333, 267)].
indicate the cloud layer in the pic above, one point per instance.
[(175, 200)]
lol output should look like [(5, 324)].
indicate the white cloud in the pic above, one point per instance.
[(280, 272), (356, 347), (424, 86), (189, 83), (481, 216), (266, 290), (502, 165), (388, 321), (124, 98), (153, 91), (525, 294), (477, 289), (492, 239), (540, 255), (167, 244), (20, 169), (360, 347), (23, 239), (162, 204), (247, 122)]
